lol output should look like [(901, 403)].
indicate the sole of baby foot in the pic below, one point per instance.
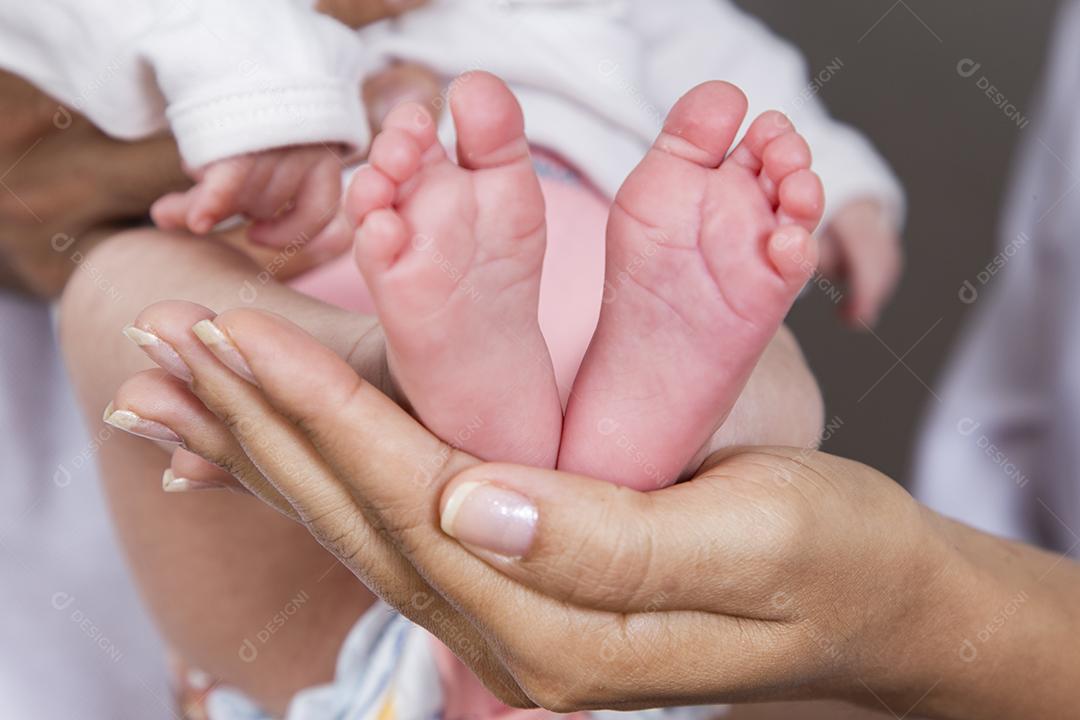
[(706, 252), (452, 253)]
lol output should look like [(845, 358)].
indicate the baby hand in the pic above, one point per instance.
[(292, 193), (861, 248)]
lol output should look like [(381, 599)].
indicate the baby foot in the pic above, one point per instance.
[(452, 254), (705, 255)]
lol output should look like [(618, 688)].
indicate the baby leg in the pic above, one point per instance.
[(215, 568)]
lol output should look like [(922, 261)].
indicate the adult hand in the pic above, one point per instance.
[(861, 248), (775, 574), (60, 178), (65, 185), (357, 13)]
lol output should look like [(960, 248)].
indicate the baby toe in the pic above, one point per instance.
[(801, 200), (395, 153), (766, 127), (414, 119), (793, 252), (369, 190), (784, 155), (379, 242)]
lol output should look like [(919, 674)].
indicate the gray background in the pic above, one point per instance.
[(953, 150)]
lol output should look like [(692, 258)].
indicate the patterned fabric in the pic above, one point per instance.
[(391, 669)]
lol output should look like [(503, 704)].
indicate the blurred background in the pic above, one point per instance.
[(953, 149)]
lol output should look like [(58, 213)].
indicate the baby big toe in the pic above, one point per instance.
[(703, 123), (489, 122)]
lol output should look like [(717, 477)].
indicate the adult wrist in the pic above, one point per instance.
[(997, 634), (908, 650)]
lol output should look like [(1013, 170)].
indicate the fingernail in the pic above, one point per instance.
[(223, 349), (129, 422), (159, 351), (490, 517), (172, 484)]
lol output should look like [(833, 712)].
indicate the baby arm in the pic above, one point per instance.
[(264, 139), (262, 98)]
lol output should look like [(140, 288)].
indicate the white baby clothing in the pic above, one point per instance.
[(595, 77)]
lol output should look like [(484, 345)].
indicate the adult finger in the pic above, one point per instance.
[(324, 504), (357, 14), (155, 405), (190, 470), (715, 543), (364, 435), (396, 470), (171, 323)]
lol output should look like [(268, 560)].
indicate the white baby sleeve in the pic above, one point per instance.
[(246, 75), (230, 76), (691, 41)]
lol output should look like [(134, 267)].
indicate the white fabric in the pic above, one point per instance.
[(386, 670), (597, 77), (233, 76), (74, 639), (1000, 452)]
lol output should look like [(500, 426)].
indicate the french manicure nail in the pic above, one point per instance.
[(159, 351), (224, 350), (129, 422), (170, 483), (490, 517)]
